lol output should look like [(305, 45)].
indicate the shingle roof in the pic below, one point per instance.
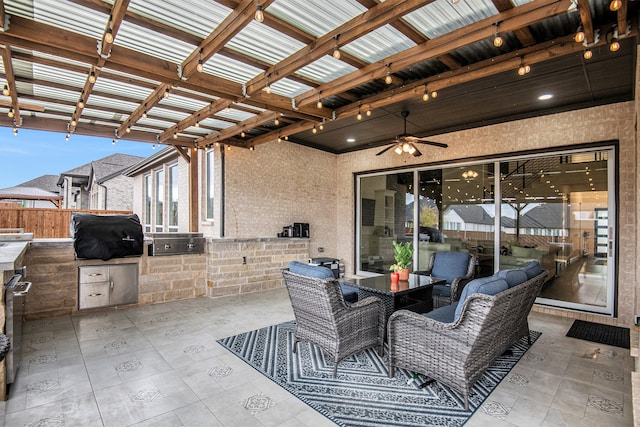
[(44, 182), (473, 214), (27, 192)]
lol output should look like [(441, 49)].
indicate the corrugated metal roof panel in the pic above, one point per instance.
[(251, 41), (298, 13), (179, 14), (152, 43), (225, 67), (442, 17), (287, 87), (379, 44), (326, 69)]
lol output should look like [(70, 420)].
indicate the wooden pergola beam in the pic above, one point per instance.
[(587, 22), (370, 20), (11, 83), (524, 35), (250, 123), (154, 98)]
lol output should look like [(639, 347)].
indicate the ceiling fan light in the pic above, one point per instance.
[(412, 149), (406, 147), (398, 150)]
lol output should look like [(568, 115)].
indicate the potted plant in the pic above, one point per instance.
[(403, 254)]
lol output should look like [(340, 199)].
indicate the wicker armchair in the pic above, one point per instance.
[(457, 268), (325, 320), (458, 353)]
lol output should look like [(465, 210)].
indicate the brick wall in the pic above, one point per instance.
[(237, 266)]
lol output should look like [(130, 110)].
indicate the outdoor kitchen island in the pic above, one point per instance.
[(227, 267)]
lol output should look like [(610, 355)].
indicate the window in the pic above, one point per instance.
[(159, 200), (173, 198), (210, 182), (147, 202), (555, 208)]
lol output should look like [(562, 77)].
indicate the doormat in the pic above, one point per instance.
[(602, 334), (363, 394)]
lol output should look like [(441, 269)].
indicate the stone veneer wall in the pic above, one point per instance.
[(228, 273), (53, 271)]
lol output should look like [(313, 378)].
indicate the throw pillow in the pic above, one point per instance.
[(315, 271), (513, 276), (532, 269)]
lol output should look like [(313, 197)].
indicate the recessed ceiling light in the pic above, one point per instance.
[(351, 140), (545, 97)]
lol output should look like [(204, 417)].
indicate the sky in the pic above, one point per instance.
[(31, 153)]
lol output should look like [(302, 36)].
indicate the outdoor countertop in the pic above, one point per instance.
[(10, 252)]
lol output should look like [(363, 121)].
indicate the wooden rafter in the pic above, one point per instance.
[(622, 18), (587, 22), (155, 97), (201, 114), (373, 18), (250, 123), (481, 30), (11, 82)]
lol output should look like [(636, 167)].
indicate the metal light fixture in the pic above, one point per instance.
[(259, 16), (200, 66), (497, 40), (336, 48), (469, 174)]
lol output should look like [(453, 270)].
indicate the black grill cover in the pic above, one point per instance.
[(106, 236)]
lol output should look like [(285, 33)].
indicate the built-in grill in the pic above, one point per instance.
[(175, 243), (15, 292)]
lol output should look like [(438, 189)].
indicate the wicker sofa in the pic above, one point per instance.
[(455, 344)]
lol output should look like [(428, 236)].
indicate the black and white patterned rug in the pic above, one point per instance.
[(362, 394)]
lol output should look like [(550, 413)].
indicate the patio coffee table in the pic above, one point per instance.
[(414, 294)]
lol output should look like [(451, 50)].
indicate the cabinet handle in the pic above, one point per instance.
[(95, 294), (95, 274)]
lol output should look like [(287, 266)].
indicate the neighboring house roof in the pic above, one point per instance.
[(473, 214), (44, 182), (102, 168), (162, 156), (547, 215)]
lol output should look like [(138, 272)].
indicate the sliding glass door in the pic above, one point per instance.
[(556, 209)]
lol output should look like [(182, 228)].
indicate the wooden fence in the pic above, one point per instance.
[(44, 222)]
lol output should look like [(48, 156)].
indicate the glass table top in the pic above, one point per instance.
[(383, 283)]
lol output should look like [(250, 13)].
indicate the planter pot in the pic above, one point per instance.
[(394, 276), (404, 274)]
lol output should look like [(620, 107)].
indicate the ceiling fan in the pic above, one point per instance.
[(405, 143)]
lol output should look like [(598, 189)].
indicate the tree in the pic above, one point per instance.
[(429, 216)]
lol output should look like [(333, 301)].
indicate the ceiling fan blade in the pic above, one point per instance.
[(436, 144), (385, 150), (417, 152)]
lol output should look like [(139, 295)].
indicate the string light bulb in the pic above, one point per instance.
[(80, 103), (388, 79), (92, 77), (5, 90), (425, 95), (242, 134), (11, 114), (359, 115), (73, 121), (200, 66), (497, 40), (580, 36), (434, 94), (144, 114), (259, 16), (228, 108), (368, 113), (336, 52), (175, 135), (166, 93), (276, 121), (614, 46), (314, 130), (615, 5), (128, 129), (15, 131), (153, 146), (67, 136), (108, 37), (197, 124), (587, 54), (319, 103)]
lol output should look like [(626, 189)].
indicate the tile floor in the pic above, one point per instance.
[(160, 366)]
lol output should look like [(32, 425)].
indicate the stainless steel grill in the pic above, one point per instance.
[(175, 243)]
